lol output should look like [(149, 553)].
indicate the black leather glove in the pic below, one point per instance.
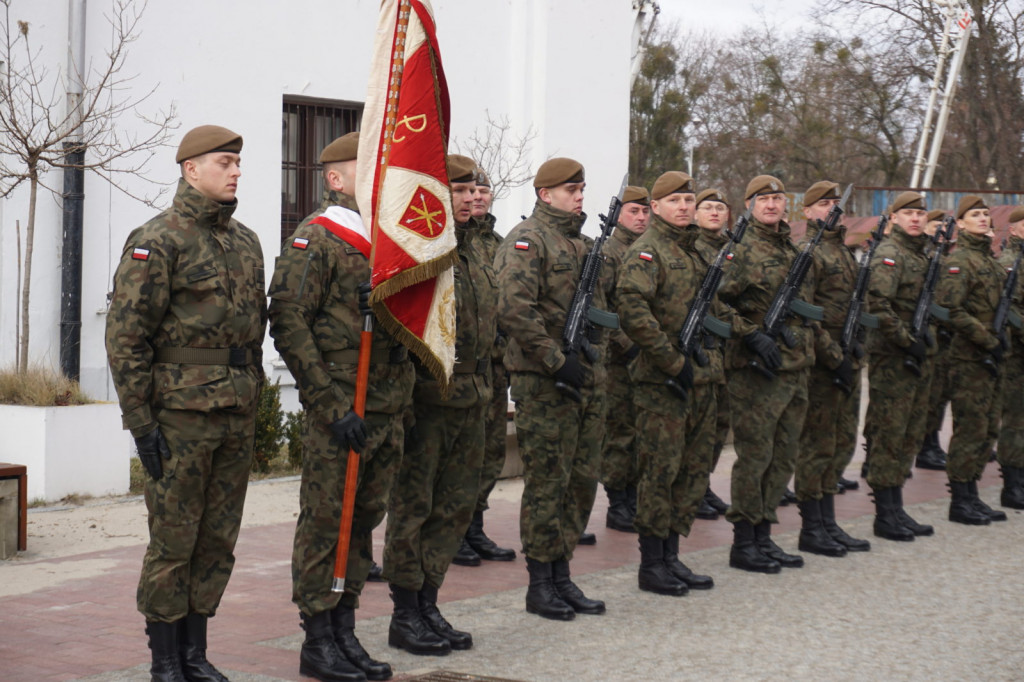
[(844, 372), (152, 447), (997, 354), (350, 431), (768, 350), (365, 308), (917, 350), (631, 352), (857, 349), (685, 376), (571, 371)]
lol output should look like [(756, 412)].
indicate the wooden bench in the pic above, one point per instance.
[(20, 472)]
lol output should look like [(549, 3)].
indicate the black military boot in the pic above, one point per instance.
[(670, 555), (587, 539), (763, 537), (788, 498), (541, 596), (980, 506), (918, 529), (485, 547), (458, 639), (705, 511), (827, 505), (631, 499), (465, 556), (961, 507), (813, 536), (343, 626), (163, 642), (1012, 495), (570, 593), (745, 554), (887, 518), (715, 502), (409, 631), (320, 657), (192, 649), (618, 516), (376, 574), (931, 456), (654, 575), (847, 484)]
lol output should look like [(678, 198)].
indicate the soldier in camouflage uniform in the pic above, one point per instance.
[(830, 429), (316, 317), (184, 341), (970, 288), (675, 397), (767, 431), (1011, 430), (559, 434), (476, 545), (711, 215), (439, 481), (897, 397), (619, 471), (932, 456)]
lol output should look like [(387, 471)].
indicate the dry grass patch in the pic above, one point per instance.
[(39, 387)]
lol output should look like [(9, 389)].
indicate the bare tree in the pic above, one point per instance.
[(37, 129), (501, 152)]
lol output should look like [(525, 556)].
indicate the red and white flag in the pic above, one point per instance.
[(402, 185)]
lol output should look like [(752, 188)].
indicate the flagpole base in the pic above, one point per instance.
[(338, 585)]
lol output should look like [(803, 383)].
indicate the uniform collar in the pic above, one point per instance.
[(836, 235), (780, 235), (901, 237), (565, 222), (975, 242), (716, 239), (684, 236), (203, 210), (623, 235)]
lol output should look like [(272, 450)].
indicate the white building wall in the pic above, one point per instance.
[(562, 67)]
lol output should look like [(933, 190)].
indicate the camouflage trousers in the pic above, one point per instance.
[(675, 446), (829, 435), (941, 391), (320, 499), (495, 432), (195, 511), (722, 425), (1011, 430), (435, 494), (767, 418), (975, 420), (895, 420), (619, 468), (560, 445)]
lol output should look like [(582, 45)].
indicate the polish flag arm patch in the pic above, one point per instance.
[(954, 270), (646, 256), (522, 245), (889, 261), (300, 243), (730, 256), (140, 254)]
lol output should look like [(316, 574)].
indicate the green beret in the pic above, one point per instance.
[(206, 139), (1017, 214), (937, 214), (908, 200), (672, 182), (764, 184), (967, 203), (481, 177), (712, 194), (557, 171), (342, 149), (636, 195), (821, 190), (461, 168)]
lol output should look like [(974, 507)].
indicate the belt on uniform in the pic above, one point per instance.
[(378, 356), (481, 366), (233, 357)]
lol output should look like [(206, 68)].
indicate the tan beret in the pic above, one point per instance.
[(206, 139), (342, 149), (672, 182), (712, 194), (937, 214), (967, 203), (764, 184), (461, 168), (908, 200), (481, 177), (557, 171), (636, 195), (1017, 214), (821, 190)]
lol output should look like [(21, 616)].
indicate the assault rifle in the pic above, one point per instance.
[(1004, 313), (785, 302), (582, 314), (855, 317), (926, 308)]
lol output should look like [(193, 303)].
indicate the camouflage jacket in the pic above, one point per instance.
[(489, 240), (476, 298), (614, 251), (708, 245), (316, 325), (835, 274), (970, 286), (660, 276), (759, 268), (192, 277), (898, 269), (1006, 258), (539, 265)]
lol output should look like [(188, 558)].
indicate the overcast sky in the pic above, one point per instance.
[(724, 16)]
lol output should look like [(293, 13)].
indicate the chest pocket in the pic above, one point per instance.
[(351, 251), (561, 266), (200, 274)]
